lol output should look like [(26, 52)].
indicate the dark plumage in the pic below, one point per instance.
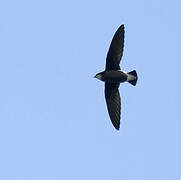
[(115, 52), (113, 76)]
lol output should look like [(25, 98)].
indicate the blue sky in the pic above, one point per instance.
[(53, 118)]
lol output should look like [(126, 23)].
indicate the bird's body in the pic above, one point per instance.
[(113, 76)]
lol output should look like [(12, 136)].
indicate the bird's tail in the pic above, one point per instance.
[(132, 77)]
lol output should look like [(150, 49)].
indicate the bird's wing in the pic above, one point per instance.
[(113, 103), (115, 52)]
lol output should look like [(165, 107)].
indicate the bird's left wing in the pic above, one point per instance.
[(115, 52), (113, 102)]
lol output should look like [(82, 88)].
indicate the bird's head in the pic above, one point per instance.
[(99, 76)]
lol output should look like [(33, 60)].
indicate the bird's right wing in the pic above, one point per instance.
[(113, 102), (115, 52)]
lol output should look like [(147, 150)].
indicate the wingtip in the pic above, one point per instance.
[(117, 127), (122, 25)]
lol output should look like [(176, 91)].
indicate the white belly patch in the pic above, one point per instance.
[(130, 77)]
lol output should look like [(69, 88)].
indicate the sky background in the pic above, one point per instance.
[(54, 122)]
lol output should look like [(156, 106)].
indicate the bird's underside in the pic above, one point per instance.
[(115, 76)]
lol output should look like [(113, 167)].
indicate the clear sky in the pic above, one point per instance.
[(53, 119)]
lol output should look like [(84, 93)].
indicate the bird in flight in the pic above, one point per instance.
[(113, 76)]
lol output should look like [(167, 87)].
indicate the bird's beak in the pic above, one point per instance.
[(95, 76)]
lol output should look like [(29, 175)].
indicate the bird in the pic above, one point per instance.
[(112, 76)]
